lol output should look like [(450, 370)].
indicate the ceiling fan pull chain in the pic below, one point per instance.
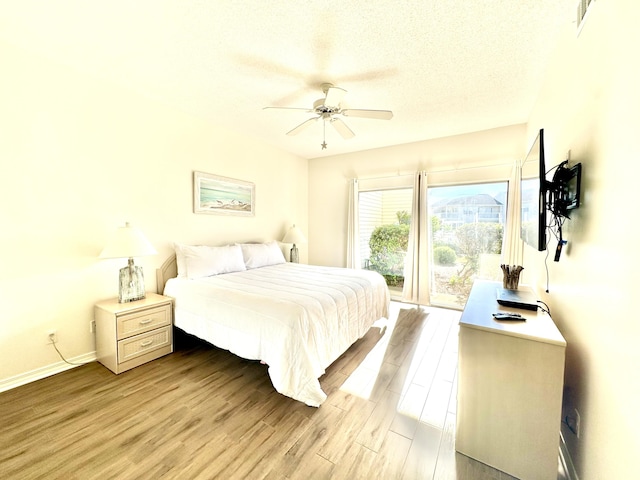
[(324, 135)]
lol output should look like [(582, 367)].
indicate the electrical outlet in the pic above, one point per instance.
[(52, 336), (577, 422)]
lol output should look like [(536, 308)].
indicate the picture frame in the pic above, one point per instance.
[(214, 194)]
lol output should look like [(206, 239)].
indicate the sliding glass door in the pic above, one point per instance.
[(467, 227)]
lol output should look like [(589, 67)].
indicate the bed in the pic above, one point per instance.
[(295, 318)]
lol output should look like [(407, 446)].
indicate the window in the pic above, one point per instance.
[(467, 227), (384, 220), (465, 224)]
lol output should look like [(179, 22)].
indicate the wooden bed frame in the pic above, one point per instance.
[(169, 269)]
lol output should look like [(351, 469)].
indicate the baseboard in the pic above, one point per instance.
[(46, 371), (565, 458)]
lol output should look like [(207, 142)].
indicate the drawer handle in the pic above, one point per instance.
[(146, 343), (144, 322)]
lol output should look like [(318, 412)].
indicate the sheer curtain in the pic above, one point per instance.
[(511, 243), (416, 269), (353, 229)]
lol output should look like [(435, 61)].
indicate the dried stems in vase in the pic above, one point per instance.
[(511, 276)]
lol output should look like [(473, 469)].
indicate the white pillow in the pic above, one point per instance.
[(180, 260), (261, 254), (204, 261)]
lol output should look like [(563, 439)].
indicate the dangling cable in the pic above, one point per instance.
[(62, 356)]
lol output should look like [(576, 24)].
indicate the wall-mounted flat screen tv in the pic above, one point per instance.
[(533, 204)]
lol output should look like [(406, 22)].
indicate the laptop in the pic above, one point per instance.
[(517, 298)]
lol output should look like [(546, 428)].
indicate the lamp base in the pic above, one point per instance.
[(294, 254), (131, 286)]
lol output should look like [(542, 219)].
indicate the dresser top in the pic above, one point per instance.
[(538, 325)]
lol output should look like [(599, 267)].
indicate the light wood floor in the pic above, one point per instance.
[(204, 413)]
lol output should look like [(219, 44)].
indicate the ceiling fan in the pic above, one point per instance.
[(328, 109)]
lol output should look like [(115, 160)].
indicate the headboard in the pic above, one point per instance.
[(169, 269)]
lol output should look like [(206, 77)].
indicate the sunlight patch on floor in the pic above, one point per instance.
[(363, 379), (400, 339)]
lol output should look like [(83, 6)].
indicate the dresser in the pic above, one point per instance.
[(510, 382), (131, 334)]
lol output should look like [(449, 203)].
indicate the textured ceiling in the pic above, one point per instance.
[(442, 66)]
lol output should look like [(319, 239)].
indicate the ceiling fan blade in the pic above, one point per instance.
[(287, 108), (302, 126), (342, 128), (376, 114), (334, 96)]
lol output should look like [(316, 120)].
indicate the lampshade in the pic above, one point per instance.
[(294, 235), (127, 242)]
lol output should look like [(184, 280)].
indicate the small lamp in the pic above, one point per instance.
[(129, 242), (294, 235)]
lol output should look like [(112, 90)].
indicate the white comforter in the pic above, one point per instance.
[(295, 318)]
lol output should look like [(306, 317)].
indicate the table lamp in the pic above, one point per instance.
[(129, 242), (294, 235)]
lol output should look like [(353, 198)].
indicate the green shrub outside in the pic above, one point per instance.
[(444, 255), (473, 240), (388, 245)]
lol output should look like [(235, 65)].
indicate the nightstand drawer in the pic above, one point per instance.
[(142, 344), (142, 321)]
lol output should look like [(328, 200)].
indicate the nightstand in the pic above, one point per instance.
[(133, 333)]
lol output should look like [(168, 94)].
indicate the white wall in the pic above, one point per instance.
[(589, 105), (80, 157), (448, 160)]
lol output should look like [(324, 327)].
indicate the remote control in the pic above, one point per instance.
[(508, 316)]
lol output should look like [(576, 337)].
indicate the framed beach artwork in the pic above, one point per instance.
[(222, 195)]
